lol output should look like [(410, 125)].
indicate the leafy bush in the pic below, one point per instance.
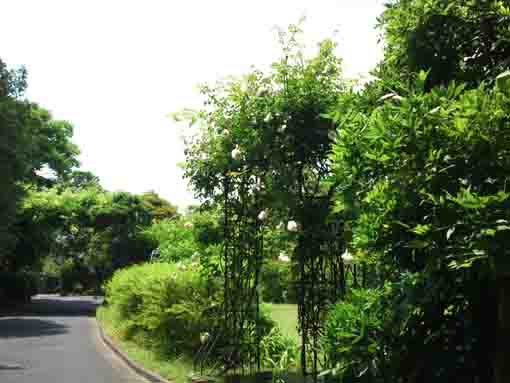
[(278, 351), (175, 240), (353, 332), (171, 302), (431, 199), (195, 236), (169, 306)]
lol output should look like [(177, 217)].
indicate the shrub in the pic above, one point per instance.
[(175, 239), (168, 306), (169, 302), (279, 352), (353, 336)]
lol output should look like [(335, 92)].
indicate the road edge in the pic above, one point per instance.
[(137, 368)]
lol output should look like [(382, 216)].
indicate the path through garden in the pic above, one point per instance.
[(56, 339)]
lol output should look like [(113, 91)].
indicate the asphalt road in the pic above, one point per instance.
[(56, 340)]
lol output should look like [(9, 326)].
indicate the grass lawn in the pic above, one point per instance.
[(176, 370), (286, 315)]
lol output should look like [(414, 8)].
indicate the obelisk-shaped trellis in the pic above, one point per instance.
[(241, 261), (322, 276)]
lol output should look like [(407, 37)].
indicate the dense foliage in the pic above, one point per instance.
[(194, 235), (421, 162), (417, 162), (168, 302), (87, 231), (32, 146), (419, 168), (17, 287), (352, 336), (267, 133), (276, 282), (462, 40), (171, 307)]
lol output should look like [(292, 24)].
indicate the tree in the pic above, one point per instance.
[(30, 140), (80, 179), (158, 207), (463, 40), (12, 158)]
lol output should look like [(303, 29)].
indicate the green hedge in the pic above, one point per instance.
[(17, 287), (168, 306)]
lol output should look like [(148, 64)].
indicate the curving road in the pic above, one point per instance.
[(56, 340)]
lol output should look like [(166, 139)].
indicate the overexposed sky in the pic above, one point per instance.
[(117, 68)]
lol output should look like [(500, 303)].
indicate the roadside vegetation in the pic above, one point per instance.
[(414, 167)]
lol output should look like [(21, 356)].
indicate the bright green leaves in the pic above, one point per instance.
[(431, 35), (503, 81), (419, 168), (471, 200), (271, 126)]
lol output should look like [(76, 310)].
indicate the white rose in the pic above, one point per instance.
[(204, 337), (262, 215), (283, 257), (292, 226), (236, 153), (259, 185), (225, 133), (347, 258)]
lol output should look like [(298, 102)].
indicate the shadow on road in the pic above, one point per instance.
[(4, 367), (28, 327), (57, 306)]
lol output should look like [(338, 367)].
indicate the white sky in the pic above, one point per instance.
[(117, 68)]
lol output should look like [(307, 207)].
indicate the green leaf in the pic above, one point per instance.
[(503, 81), (418, 244), (422, 229)]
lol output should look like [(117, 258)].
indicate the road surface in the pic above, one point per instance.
[(56, 340)]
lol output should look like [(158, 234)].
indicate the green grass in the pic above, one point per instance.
[(176, 370), (286, 315)]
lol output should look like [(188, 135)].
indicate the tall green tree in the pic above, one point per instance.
[(30, 141), (12, 157), (463, 40)]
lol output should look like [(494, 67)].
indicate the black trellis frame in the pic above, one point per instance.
[(321, 281), (242, 261), (323, 276)]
